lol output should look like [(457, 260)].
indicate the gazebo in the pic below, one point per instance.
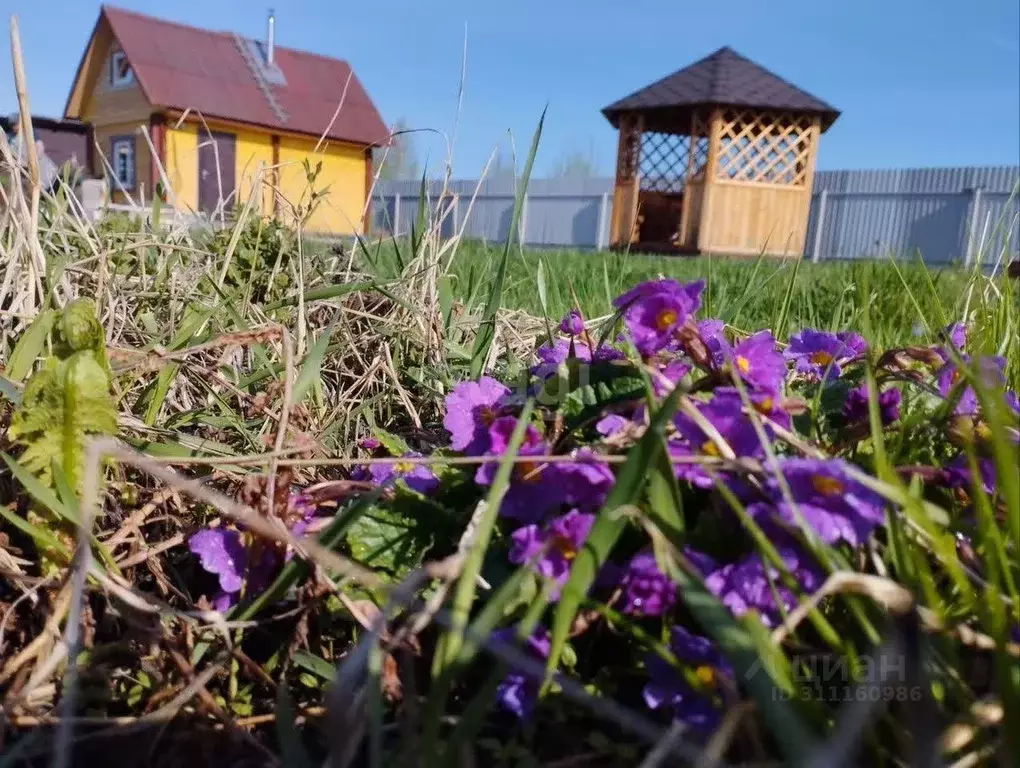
[(716, 158)]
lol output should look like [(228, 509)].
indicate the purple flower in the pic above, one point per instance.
[(949, 376), (820, 354), (713, 334), (654, 310), (418, 477), (536, 487), (572, 323), (610, 424), (519, 690), (757, 362), (725, 412), (835, 505), (957, 474), (647, 591), (957, 336), (370, 443), (551, 357), (555, 545), (855, 410), (744, 586), (668, 688), (665, 379), (221, 552), (766, 404), (587, 481), (471, 408)]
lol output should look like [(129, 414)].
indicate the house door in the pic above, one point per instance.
[(216, 165)]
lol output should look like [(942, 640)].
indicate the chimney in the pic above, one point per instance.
[(271, 39)]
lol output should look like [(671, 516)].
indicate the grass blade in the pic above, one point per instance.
[(487, 327)]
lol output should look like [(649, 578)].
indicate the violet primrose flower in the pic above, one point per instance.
[(757, 361), (949, 376), (535, 487), (855, 409), (713, 334), (835, 505), (744, 586), (957, 474), (725, 412), (610, 424), (572, 323), (519, 690), (471, 408), (418, 477), (586, 481), (667, 687), (655, 309), (820, 354), (558, 542), (647, 591), (221, 552)]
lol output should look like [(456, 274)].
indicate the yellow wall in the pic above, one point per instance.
[(342, 177), (182, 164), (254, 151)]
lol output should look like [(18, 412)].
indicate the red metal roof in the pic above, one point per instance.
[(183, 67)]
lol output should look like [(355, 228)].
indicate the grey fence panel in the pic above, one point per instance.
[(947, 214), (563, 220)]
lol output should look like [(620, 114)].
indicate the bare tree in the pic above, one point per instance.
[(576, 165)]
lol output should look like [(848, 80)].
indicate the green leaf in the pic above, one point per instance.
[(292, 751), (30, 345), (487, 327), (396, 446), (383, 538), (608, 526), (315, 664), (311, 370)]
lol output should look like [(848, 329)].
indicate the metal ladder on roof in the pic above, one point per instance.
[(256, 70)]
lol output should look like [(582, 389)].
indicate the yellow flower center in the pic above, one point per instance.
[(765, 405), (743, 364), (706, 676), (529, 472), (710, 449), (565, 547), (666, 319), (403, 467), (827, 486), (487, 415), (821, 357)]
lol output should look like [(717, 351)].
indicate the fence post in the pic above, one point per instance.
[(396, 214), (600, 232), (816, 247), (972, 225)]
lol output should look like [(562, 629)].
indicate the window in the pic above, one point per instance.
[(121, 73), (122, 151)]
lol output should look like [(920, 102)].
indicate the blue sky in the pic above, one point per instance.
[(919, 82)]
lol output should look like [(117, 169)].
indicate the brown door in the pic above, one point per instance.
[(216, 158)]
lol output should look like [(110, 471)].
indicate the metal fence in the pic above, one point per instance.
[(947, 214)]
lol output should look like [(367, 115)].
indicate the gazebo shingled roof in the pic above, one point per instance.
[(724, 78)]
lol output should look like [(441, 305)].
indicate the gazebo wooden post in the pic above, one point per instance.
[(711, 171), (625, 193)]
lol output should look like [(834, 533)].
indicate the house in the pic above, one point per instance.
[(228, 118), (62, 145)]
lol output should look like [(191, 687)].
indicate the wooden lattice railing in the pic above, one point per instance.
[(765, 147)]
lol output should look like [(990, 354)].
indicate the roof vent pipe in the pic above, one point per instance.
[(271, 40)]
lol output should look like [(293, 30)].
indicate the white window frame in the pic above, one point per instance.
[(123, 145), (117, 81)]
